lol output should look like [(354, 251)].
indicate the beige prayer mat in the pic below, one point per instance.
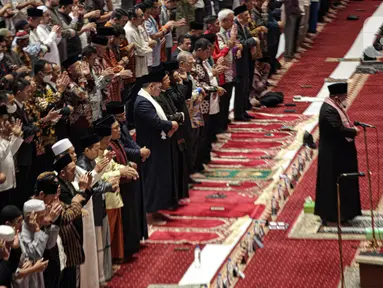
[(308, 226)]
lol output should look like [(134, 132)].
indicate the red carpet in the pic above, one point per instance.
[(259, 135), (273, 117), (252, 125), (235, 162), (251, 145), (193, 223), (249, 155), (283, 262), (311, 263), (216, 184), (333, 41), (182, 236)]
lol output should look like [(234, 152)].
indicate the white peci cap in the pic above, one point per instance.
[(61, 146)]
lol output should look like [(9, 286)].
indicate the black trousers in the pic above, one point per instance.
[(272, 99), (5, 197), (195, 137), (241, 96), (24, 187), (224, 106), (69, 277), (204, 147)]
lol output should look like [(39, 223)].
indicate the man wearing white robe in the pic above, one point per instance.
[(48, 37)]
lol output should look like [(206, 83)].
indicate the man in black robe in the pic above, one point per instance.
[(154, 131), (167, 99), (337, 155)]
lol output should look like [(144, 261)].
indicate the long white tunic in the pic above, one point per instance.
[(51, 40), (8, 149), (142, 49)]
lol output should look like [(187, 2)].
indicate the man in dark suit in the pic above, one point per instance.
[(244, 64), (154, 132), (22, 91)]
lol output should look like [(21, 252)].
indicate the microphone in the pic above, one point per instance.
[(356, 123), (354, 174)]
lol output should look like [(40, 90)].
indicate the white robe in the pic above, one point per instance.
[(51, 40), (8, 150)]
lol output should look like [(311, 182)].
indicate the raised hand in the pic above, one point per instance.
[(17, 128), (101, 165), (53, 116)]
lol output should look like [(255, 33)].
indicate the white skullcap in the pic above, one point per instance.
[(61, 146), (7, 233), (44, 8), (34, 205)]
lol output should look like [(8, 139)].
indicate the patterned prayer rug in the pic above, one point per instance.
[(192, 230), (308, 226), (239, 174)]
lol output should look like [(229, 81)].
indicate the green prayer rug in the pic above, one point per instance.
[(254, 174)]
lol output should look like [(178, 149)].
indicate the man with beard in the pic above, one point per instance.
[(137, 155), (154, 131)]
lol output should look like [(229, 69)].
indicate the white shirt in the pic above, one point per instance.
[(8, 149), (51, 40), (142, 50)]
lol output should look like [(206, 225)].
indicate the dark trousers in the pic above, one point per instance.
[(291, 35), (169, 53), (194, 147), (241, 96), (69, 277), (224, 106), (5, 197), (204, 147), (213, 129), (314, 8), (272, 99), (24, 188), (323, 9)]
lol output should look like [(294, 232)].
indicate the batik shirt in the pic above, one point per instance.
[(37, 107)]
